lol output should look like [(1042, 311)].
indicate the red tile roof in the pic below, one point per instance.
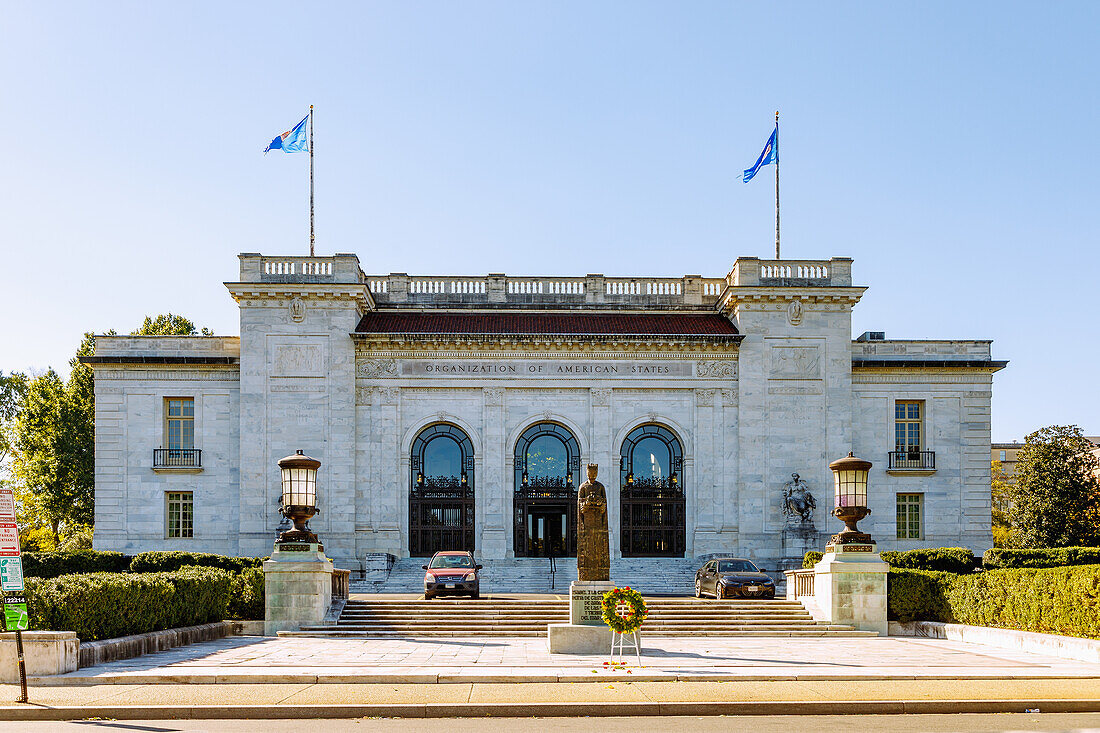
[(547, 324)]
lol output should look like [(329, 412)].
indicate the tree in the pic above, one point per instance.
[(169, 324), (1055, 500), (12, 389), (1000, 485), (53, 455)]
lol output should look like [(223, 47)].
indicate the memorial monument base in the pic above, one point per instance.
[(850, 586), (586, 632), (297, 588)]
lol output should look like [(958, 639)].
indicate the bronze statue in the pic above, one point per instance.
[(593, 550)]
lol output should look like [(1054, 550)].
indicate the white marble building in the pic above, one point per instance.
[(461, 411)]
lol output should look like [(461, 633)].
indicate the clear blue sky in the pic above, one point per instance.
[(949, 148)]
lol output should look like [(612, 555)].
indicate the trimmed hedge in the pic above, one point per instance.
[(53, 564), (1040, 557), (944, 559), (163, 562), (108, 605), (246, 595), (1063, 600)]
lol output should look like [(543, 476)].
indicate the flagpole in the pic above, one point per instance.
[(777, 183), (311, 185)]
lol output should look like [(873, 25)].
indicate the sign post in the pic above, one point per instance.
[(16, 617)]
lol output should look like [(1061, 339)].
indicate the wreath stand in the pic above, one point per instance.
[(619, 640)]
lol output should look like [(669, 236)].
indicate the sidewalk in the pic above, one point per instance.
[(300, 660), (257, 677), (819, 697)]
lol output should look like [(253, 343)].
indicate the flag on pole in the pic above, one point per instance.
[(770, 154), (294, 140)]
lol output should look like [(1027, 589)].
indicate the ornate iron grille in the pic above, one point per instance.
[(529, 500), (441, 507), (653, 520), (440, 518), (921, 460), (177, 458)]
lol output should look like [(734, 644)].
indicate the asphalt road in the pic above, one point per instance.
[(1002, 723)]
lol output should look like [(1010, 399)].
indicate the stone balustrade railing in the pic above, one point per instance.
[(499, 288), (800, 583), (339, 268), (750, 271)]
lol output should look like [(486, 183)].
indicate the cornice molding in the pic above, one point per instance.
[(227, 374), (608, 347), (760, 298), (260, 291)]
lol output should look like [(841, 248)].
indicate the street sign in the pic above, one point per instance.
[(7, 505), (11, 574), (16, 617), (9, 539)]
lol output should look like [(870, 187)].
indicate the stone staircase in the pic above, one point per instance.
[(668, 617), (656, 575)]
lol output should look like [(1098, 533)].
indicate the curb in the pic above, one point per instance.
[(31, 712), (602, 676)]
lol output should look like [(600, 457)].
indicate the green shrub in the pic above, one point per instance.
[(162, 562), (246, 595), (998, 557), (108, 605), (1063, 600), (945, 559), (53, 564), (918, 595)]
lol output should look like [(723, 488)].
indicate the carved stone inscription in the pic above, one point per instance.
[(542, 368)]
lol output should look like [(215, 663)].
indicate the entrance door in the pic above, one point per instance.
[(546, 532)]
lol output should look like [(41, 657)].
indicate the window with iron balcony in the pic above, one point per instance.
[(909, 455)]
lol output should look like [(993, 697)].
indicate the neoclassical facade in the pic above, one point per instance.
[(454, 413)]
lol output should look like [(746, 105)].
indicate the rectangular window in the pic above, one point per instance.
[(180, 513), (179, 423), (908, 421), (909, 516), (1004, 455)]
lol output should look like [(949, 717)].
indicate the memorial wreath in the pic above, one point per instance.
[(624, 610)]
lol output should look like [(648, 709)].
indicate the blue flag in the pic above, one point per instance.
[(770, 154), (294, 140)]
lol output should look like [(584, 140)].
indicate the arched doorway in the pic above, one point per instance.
[(547, 469), (441, 491), (652, 508)]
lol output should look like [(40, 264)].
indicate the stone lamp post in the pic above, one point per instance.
[(299, 478), (298, 577), (850, 498), (850, 581)]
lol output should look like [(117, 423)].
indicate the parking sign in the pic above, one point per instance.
[(16, 617), (7, 505), (11, 574), (9, 539)]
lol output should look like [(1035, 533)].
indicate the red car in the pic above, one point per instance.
[(452, 574)]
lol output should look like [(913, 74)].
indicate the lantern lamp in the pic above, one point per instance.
[(850, 498), (299, 478)]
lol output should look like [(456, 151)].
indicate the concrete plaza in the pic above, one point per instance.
[(252, 659)]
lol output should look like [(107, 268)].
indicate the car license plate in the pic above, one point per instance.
[(450, 585), (753, 588)]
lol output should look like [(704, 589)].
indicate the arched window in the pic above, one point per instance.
[(547, 470), (441, 492), (652, 506)]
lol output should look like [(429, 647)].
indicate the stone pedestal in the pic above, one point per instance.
[(297, 589), (798, 539), (586, 632), (44, 652), (850, 587)]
